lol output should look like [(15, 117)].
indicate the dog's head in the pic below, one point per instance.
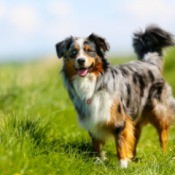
[(82, 56)]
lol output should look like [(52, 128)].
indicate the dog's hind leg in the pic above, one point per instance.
[(160, 118), (163, 138), (162, 130), (137, 133), (125, 142)]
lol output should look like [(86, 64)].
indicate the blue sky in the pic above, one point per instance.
[(29, 28)]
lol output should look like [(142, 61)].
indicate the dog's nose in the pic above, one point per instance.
[(81, 61)]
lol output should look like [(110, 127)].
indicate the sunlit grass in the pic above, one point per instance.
[(39, 132)]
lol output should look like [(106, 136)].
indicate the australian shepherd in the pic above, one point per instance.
[(118, 100)]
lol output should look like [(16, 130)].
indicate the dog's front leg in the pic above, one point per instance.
[(125, 142), (97, 147)]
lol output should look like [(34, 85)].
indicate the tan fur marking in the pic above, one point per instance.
[(98, 67), (87, 48), (137, 133), (69, 68), (91, 60), (160, 117), (125, 141), (76, 47), (117, 116)]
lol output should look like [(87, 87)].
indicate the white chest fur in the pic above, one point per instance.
[(85, 86), (98, 110)]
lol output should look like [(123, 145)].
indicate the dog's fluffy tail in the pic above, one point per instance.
[(148, 45)]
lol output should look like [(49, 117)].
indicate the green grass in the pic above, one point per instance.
[(39, 132)]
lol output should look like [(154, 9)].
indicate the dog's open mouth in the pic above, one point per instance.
[(82, 72)]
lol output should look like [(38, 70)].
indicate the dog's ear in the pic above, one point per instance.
[(63, 46), (101, 45)]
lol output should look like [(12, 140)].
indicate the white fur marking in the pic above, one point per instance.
[(85, 86), (81, 54), (98, 110), (153, 58), (123, 163), (80, 43)]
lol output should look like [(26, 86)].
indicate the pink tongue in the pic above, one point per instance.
[(82, 72)]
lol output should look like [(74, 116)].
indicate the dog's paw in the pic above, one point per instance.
[(98, 161), (103, 156), (123, 163), (101, 159)]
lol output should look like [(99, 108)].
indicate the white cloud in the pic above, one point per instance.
[(24, 18), (151, 9), (60, 8), (62, 19)]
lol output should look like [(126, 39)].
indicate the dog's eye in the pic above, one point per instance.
[(73, 53)]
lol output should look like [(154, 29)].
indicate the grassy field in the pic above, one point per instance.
[(39, 132)]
